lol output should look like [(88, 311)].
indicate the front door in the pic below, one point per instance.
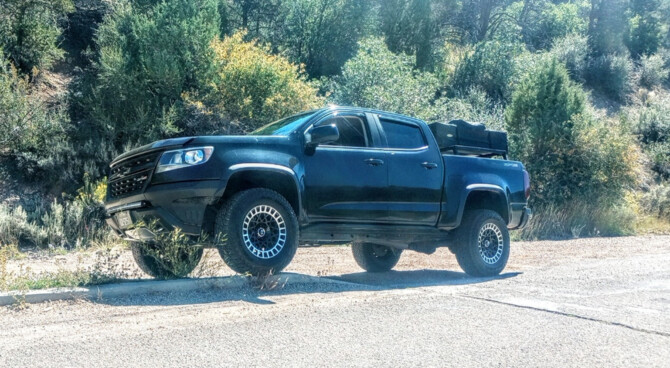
[(345, 181)]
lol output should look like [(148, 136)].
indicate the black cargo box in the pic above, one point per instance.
[(464, 138)]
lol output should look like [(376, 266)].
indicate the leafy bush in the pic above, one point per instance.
[(14, 226), (378, 78), (149, 56), (490, 67), (471, 106), (652, 71), (656, 201), (606, 27), (256, 87), (322, 34), (571, 156), (650, 121), (644, 31), (34, 141), (659, 154), (452, 56), (612, 74), (572, 51), (77, 222), (177, 252), (555, 21), (29, 31)]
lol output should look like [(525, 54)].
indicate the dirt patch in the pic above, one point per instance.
[(336, 260)]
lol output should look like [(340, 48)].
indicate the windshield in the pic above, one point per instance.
[(283, 126)]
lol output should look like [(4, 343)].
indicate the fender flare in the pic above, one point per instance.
[(253, 166), (479, 187)]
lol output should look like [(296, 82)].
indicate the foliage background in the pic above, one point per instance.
[(582, 87)]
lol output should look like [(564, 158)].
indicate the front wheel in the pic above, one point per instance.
[(482, 243), (374, 257), (257, 232)]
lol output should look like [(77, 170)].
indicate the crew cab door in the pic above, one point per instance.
[(345, 181), (416, 172)]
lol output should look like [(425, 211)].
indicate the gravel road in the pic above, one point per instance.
[(587, 302)]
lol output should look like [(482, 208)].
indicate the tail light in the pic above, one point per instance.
[(526, 183)]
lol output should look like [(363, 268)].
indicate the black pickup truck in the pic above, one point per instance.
[(381, 181)]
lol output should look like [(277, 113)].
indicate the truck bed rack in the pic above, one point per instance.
[(460, 137), (474, 151)]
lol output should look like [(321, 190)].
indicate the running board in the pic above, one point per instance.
[(424, 239)]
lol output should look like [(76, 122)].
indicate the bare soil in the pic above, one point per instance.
[(335, 260)]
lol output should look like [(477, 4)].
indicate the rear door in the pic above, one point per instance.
[(345, 181), (416, 172)]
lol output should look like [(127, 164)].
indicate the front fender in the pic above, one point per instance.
[(254, 167)]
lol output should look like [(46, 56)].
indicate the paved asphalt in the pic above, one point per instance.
[(612, 311)]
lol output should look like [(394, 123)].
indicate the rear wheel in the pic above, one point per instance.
[(482, 243), (374, 257), (159, 262), (257, 232)]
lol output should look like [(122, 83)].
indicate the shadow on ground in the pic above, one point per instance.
[(253, 290)]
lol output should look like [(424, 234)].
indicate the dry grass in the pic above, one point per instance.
[(652, 225), (104, 268)]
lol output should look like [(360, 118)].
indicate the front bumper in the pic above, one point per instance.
[(175, 205)]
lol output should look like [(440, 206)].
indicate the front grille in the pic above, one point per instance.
[(130, 176)]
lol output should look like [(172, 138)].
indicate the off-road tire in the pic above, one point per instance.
[(242, 253), (148, 263), (375, 258), (482, 243)]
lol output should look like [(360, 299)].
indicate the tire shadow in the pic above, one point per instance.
[(416, 278)]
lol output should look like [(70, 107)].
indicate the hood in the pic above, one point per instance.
[(173, 142)]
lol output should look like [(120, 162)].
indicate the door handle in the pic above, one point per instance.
[(429, 165), (374, 162)]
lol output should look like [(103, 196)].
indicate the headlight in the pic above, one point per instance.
[(177, 159)]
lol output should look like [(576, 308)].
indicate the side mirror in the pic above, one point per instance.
[(322, 134)]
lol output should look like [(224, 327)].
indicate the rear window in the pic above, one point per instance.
[(402, 135)]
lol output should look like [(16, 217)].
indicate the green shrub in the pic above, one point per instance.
[(253, 86), (650, 121), (644, 31), (659, 154), (572, 51), (176, 253), (656, 201), (606, 27), (34, 141), (652, 71), (612, 74), (30, 31), (73, 223), (149, 55), (14, 226), (322, 34), (490, 67), (378, 78), (555, 21), (571, 156), (471, 106)]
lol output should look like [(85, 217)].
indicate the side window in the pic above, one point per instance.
[(401, 135), (354, 131)]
